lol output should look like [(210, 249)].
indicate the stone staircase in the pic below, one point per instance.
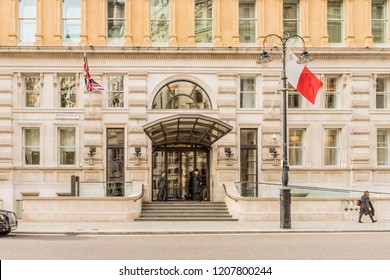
[(185, 211)]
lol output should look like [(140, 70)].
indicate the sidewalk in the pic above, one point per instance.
[(197, 227)]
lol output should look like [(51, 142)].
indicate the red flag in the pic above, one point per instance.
[(90, 84), (301, 78)]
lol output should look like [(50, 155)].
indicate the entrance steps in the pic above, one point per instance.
[(185, 211)]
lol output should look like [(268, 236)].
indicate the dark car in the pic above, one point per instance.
[(8, 221)]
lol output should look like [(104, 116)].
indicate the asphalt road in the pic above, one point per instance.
[(283, 246)]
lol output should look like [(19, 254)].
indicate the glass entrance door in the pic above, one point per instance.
[(179, 164)]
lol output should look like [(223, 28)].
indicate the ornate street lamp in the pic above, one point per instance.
[(285, 194)]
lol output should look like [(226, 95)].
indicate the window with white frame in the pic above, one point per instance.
[(115, 91), (383, 146), (331, 93), (71, 20), (31, 147), (332, 147), (291, 17), (32, 90), (248, 92), (116, 19), (382, 89), (67, 146), (248, 155), (203, 21), (296, 146), (247, 21), (27, 20), (294, 98), (159, 21), (67, 91), (335, 21), (379, 21)]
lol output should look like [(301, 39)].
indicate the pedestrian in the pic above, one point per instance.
[(162, 194), (197, 185), (366, 207)]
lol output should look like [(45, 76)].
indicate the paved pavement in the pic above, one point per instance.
[(197, 227)]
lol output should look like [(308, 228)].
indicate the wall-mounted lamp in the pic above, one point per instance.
[(137, 154), (272, 150), (228, 154), (91, 154)]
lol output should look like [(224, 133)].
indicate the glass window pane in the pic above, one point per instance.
[(71, 9), (383, 147), (331, 146), (67, 146), (295, 142), (203, 21), (32, 91), (27, 30), (67, 91), (115, 92), (27, 9), (247, 92), (31, 146), (248, 137), (115, 136), (71, 20), (159, 15)]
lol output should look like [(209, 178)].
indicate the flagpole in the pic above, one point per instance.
[(285, 191), (90, 92)]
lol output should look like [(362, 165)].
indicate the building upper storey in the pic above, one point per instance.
[(192, 23)]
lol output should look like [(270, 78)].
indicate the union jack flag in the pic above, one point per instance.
[(90, 83)]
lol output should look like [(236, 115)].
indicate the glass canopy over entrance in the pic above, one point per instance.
[(186, 129), (182, 143)]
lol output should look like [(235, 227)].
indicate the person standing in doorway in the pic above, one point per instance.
[(162, 194), (197, 181), (366, 207)]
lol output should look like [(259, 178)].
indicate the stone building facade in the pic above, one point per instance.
[(162, 60)]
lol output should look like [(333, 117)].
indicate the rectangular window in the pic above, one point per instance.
[(32, 90), (159, 20), (248, 21), (383, 146), (294, 98), (291, 17), (248, 92), (115, 92), (331, 147), (379, 20), (335, 21), (382, 93), (331, 94), (248, 155), (67, 146), (67, 91), (27, 20), (115, 161), (71, 20), (296, 147), (31, 147), (203, 21), (116, 20)]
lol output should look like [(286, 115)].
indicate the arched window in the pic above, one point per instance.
[(181, 95)]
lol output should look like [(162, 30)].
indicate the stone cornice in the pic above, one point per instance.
[(185, 53)]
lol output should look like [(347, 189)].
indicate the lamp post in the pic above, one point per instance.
[(285, 194)]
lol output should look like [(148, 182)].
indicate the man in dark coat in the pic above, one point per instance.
[(197, 182), (162, 193), (366, 207)]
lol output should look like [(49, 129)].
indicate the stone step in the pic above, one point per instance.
[(183, 219), (185, 215), (178, 211)]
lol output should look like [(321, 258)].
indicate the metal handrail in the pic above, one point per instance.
[(227, 194), (141, 195)]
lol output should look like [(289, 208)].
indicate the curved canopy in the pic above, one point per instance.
[(186, 129)]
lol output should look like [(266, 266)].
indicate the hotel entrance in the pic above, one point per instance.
[(179, 163)]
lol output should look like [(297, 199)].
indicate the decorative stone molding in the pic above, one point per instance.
[(271, 117), (5, 102), (227, 103), (92, 176), (93, 116), (137, 143), (227, 76), (138, 89), (362, 177), (270, 130), (270, 143), (271, 103), (360, 90), (6, 143), (135, 129), (360, 130), (138, 102), (5, 90), (227, 143), (6, 116), (137, 76), (93, 143), (4, 177), (360, 156), (136, 176), (227, 116), (137, 116), (6, 129), (92, 103), (93, 130), (6, 156), (269, 90), (357, 117), (227, 90), (360, 103), (360, 143)]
